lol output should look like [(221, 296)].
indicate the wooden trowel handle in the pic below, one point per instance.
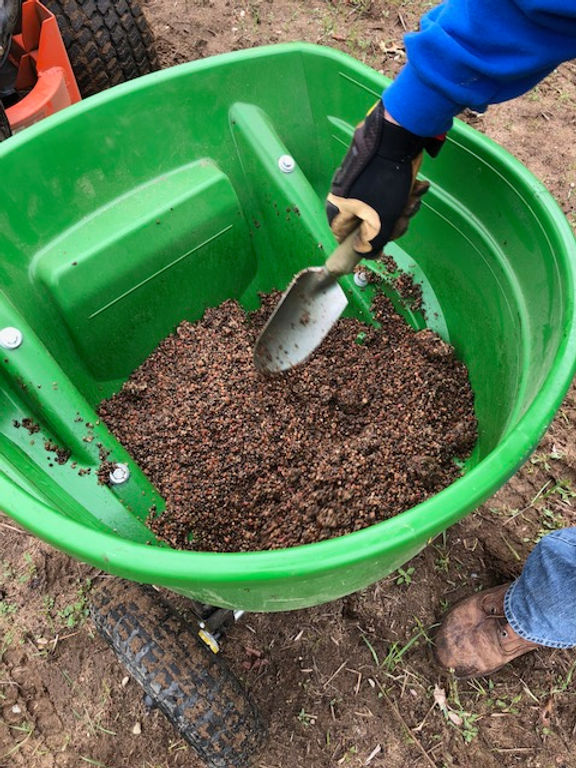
[(344, 258)]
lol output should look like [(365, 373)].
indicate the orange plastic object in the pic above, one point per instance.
[(43, 68)]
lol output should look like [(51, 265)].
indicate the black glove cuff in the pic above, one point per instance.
[(434, 144), (398, 143), (378, 137)]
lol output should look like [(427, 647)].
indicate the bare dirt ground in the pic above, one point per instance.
[(350, 683)]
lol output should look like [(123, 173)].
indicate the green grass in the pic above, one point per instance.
[(405, 575), (7, 609), (75, 613), (306, 718), (29, 569)]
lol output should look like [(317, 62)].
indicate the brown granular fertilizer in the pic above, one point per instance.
[(359, 433)]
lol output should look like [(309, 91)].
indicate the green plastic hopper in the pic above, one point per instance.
[(146, 204)]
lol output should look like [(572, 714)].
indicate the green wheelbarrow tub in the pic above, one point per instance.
[(144, 205)]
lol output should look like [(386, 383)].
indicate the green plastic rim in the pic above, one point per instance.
[(315, 573)]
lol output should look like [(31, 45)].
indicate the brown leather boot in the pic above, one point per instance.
[(475, 638)]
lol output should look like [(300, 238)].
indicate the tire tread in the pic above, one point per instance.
[(193, 687), (107, 42)]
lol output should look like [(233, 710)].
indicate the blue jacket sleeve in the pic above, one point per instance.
[(472, 53)]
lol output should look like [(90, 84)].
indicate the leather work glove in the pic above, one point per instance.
[(376, 184)]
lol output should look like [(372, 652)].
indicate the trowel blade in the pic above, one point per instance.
[(308, 309)]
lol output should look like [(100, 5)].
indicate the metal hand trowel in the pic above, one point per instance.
[(308, 309)]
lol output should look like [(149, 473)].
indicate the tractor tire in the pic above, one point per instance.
[(107, 42), (5, 131), (191, 685), (10, 15)]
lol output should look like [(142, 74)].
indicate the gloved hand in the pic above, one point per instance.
[(376, 184)]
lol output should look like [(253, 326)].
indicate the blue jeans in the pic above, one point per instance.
[(541, 604)]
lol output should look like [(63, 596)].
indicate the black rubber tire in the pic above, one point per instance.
[(5, 131), (107, 42), (191, 685), (10, 12)]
